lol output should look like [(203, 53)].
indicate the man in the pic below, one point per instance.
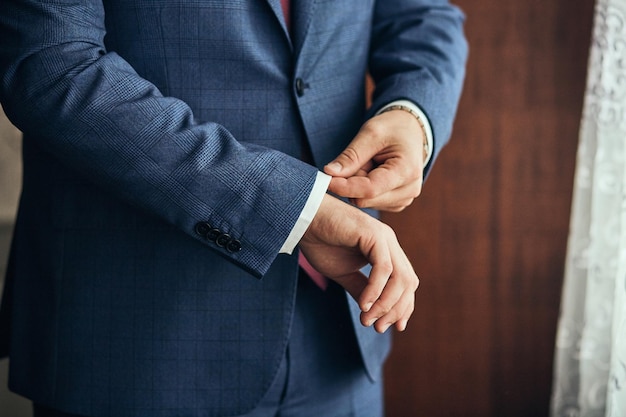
[(154, 268)]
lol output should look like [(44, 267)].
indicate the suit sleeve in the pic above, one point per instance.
[(418, 53), (92, 111)]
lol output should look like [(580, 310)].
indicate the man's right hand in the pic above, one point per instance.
[(340, 240)]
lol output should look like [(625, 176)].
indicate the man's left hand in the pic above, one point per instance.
[(382, 168)]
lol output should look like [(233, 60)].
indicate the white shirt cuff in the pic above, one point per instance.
[(322, 181), (428, 131)]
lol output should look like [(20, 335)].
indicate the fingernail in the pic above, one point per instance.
[(334, 166), (367, 307)]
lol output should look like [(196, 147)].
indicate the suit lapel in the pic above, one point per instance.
[(302, 16), (277, 9)]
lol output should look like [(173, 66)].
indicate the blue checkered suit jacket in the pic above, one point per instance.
[(162, 141)]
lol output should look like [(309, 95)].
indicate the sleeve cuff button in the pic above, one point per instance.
[(233, 246), (202, 228)]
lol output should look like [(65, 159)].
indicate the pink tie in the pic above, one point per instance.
[(286, 12), (318, 278)]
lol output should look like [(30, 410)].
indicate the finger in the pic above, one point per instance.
[(406, 315), (386, 257), (365, 186), (395, 200), (353, 283), (399, 315), (387, 306), (378, 182), (365, 169), (357, 155), (402, 324), (393, 301), (382, 267), (393, 174)]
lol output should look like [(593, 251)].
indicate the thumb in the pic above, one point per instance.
[(357, 155)]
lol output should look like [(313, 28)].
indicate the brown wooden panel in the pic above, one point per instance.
[(488, 235)]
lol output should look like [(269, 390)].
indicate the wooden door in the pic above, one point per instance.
[(488, 235)]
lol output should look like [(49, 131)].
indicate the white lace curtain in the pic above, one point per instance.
[(590, 360)]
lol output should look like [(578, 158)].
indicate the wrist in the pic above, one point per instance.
[(426, 151), (430, 140)]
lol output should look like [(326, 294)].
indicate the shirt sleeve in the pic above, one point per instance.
[(322, 181)]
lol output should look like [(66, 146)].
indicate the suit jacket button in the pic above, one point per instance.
[(202, 228), (233, 246), (300, 86), (223, 240)]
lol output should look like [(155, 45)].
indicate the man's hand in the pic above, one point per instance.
[(382, 167), (342, 239)]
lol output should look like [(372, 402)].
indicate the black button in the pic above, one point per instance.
[(202, 228), (223, 240), (233, 246), (300, 86), (213, 234)]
